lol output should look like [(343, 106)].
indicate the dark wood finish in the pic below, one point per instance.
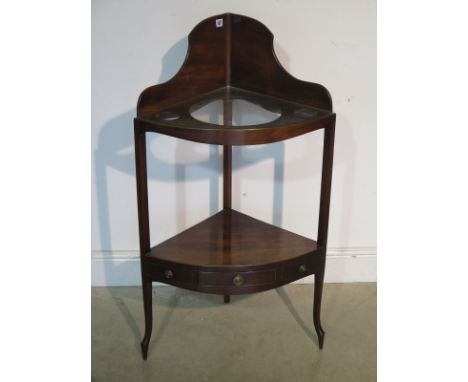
[(318, 288), (227, 187), (204, 69), (142, 188), (238, 54), (143, 228), (234, 241), (296, 119), (327, 165), (254, 66), (227, 150), (231, 253), (227, 157), (322, 237)]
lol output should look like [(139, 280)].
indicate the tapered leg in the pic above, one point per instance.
[(143, 229), (148, 308), (327, 165), (318, 288), (227, 298)]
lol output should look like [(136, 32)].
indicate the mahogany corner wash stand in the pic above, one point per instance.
[(231, 60)]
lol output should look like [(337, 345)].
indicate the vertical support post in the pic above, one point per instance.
[(142, 188), (327, 166), (143, 228), (325, 192), (227, 156), (227, 177), (227, 121), (227, 165)]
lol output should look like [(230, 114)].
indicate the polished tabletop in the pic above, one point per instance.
[(233, 239)]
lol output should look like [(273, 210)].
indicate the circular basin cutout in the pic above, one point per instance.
[(244, 113)]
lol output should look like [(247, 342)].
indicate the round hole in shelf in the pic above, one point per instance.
[(305, 113), (244, 113), (167, 116)]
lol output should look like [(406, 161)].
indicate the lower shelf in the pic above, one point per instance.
[(232, 253)]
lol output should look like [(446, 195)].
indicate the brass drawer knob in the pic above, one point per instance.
[(302, 268), (168, 274), (238, 280)]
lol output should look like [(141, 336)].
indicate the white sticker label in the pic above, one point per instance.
[(219, 23)]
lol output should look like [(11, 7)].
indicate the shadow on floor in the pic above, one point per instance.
[(287, 301)]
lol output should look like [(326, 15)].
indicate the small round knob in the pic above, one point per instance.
[(302, 268), (168, 274), (238, 280)]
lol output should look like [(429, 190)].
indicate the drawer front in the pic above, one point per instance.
[(301, 268), (170, 275), (237, 279)]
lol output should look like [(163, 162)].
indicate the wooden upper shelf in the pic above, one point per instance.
[(230, 59)]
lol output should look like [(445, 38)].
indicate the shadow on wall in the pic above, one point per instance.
[(115, 150)]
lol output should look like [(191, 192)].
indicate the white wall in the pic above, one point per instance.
[(140, 43)]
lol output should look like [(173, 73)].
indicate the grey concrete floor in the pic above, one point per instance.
[(267, 336)]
